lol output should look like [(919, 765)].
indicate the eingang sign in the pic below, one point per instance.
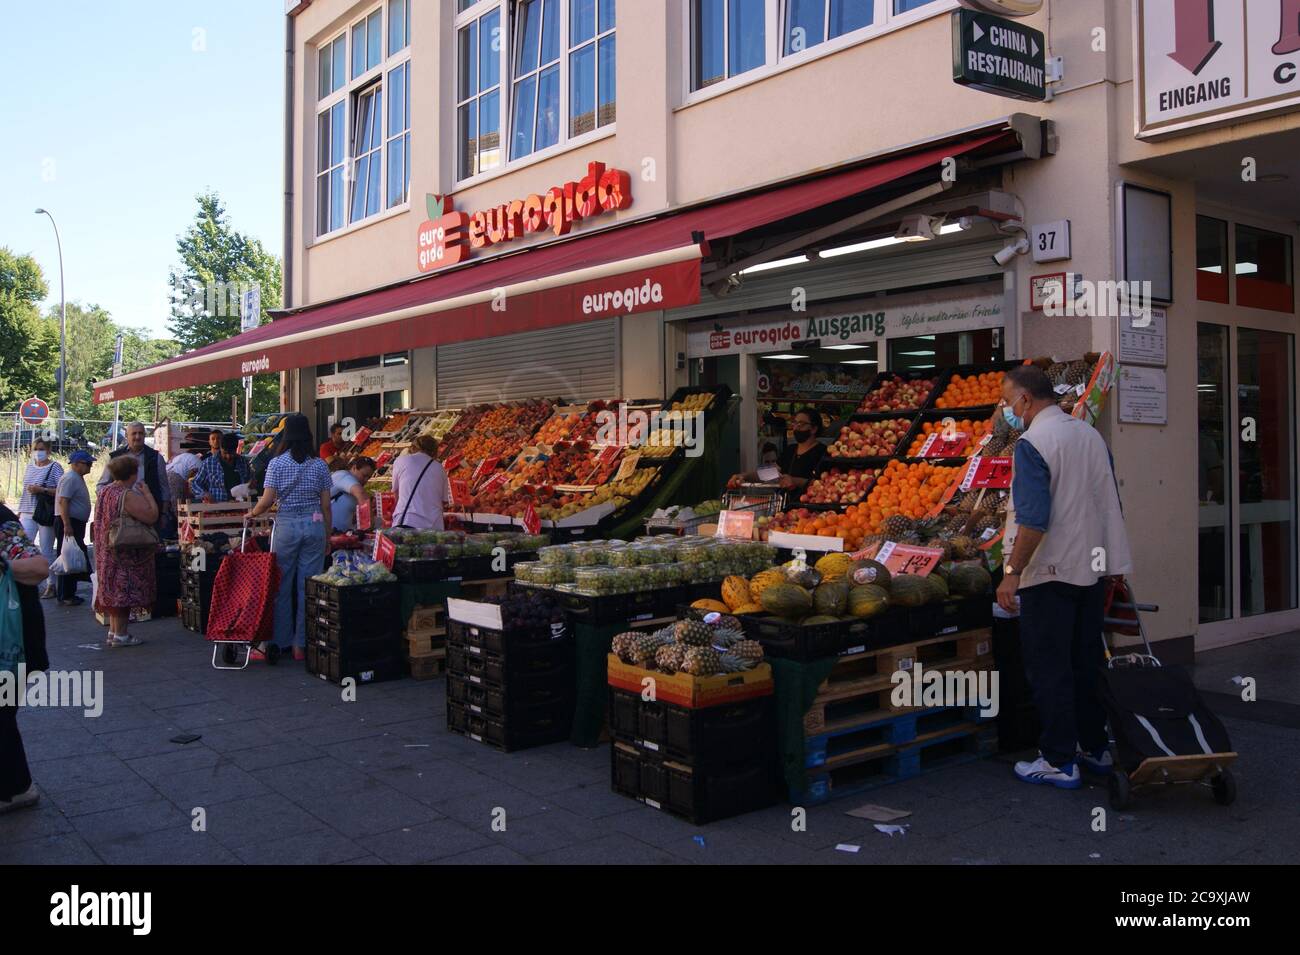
[(364, 381), (892, 318), (1202, 62), (448, 236)]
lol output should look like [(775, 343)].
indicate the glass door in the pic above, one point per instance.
[(1213, 481)]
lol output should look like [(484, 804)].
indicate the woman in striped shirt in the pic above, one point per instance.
[(299, 482), (41, 478)]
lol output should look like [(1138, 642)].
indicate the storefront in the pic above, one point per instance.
[(354, 393)]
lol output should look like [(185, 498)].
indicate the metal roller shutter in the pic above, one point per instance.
[(578, 362), (833, 280)]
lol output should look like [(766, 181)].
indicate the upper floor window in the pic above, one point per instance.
[(559, 57), (363, 151), (731, 37)]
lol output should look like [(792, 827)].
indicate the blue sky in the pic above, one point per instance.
[(115, 115)]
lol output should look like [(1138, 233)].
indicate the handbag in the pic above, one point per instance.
[(127, 533), (411, 499), (44, 511), (12, 650)]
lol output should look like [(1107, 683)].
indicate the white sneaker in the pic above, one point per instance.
[(1099, 765), (22, 800), (1042, 773)]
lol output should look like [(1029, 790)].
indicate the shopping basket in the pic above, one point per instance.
[(1163, 731), (243, 606)]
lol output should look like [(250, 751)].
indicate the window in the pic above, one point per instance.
[(591, 65), (907, 6), (536, 73), (549, 73), (730, 38), (478, 111), (331, 138), (809, 22), (363, 152), (1211, 260), (399, 25), (331, 60), (367, 44), (1263, 270)]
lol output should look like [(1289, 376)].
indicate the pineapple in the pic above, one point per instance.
[(693, 633), (621, 645), (897, 526), (964, 548), (668, 658), (748, 650), (644, 649), (986, 521), (701, 661), (928, 528), (730, 663), (727, 638)]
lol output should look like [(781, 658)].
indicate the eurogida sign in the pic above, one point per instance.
[(888, 318)]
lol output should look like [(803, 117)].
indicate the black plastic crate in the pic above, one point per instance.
[(699, 796), (518, 698), (726, 734), (885, 376), (541, 663), (353, 597), (379, 619), (550, 723), (332, 637), (365, 664), (621, 608), (418, 570), (506, 642), (965, 613), (192, 618)]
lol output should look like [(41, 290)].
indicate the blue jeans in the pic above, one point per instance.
[(299, 547)]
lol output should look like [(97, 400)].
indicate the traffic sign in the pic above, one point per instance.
[(998, 56), (34, 411)]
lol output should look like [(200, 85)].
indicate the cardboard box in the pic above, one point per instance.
[(695, 692)]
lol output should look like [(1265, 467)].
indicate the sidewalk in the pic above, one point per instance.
[(288, 773)]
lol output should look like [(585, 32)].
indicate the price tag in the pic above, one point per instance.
[(497, 480), (459, 491), (452, 463), (387, 507), (362, 437), (943, 444), (627, 467), (385, 551), (736, 524), (909, 559), (363, 516), (485, 467), (532, 523), (381, 462), (987, 472)]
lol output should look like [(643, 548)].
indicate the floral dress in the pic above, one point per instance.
[(124, 578)]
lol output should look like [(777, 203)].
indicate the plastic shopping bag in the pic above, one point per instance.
[(71, 559)]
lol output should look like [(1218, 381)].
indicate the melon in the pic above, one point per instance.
[(820, 618), (711, 606), (907, 590), (748, 608), (735, 592), (834, 566), (831, 598), (969, 580), (867, 600), (788, 601), (870, 572), (938, 588), (761, 581)]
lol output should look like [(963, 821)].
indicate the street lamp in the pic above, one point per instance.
[(63, 323)]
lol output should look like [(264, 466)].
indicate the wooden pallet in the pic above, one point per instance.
[(226, 518), (425, 641), (427, 617), (427, 666)]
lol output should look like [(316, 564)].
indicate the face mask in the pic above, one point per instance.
[(1013, 419), (41, 455), (802, 435)]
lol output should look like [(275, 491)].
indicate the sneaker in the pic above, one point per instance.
[(114, 642), (1042, 773), (256, 656), (21, 801), (1099, 763)]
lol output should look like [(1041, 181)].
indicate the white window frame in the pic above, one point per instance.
[(565, 141), (373, 77), (777, 61)]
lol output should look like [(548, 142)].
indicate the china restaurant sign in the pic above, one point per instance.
[(891, 318), (450, 236)]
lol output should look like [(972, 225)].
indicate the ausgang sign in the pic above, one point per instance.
[(998, 56), (449, 236), (1201, 62)]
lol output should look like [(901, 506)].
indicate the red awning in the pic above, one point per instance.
[(637, 267)]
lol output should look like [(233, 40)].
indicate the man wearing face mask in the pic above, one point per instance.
[(1065, 534), (36, 508)]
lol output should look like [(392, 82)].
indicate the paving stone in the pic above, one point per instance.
[(42, 741), (434, 781), (127, 792), (273, 754), (613, 849), (425, 842), (113, 825), (210, 785), (323, 847), (369, 811), (240, 822), (43, 819), (182, 759), (304, 779), (167, 847), (153, 740), (61, 849), (544, 831), (78, 772)]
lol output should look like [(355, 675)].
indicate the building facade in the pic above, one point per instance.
[(1166, 152)]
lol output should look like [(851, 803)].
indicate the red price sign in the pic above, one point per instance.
[(944, 444), (497, 480), (736, 524), (532, 523), (485, 467), (982, 472), (387, 507), (607, 454), (909, 559), (385, 551), (459, 491), (452, 463), (363, 516), (362, 436), (381, 462)]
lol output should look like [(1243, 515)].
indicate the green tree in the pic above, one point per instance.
[(91, 335), (140, 350), (29, 355), (216, 264)]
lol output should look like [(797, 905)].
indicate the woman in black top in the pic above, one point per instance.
[(799, 461)]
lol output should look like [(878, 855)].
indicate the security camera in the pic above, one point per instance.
[(1008, 252)]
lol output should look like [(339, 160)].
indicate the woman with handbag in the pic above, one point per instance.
[(125, 547), (22, 641), (298, 485), (420, 483), (36, 509)]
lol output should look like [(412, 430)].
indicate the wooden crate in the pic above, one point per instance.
[(427, 618), (227, 518), (425, 641), (426, 666)]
